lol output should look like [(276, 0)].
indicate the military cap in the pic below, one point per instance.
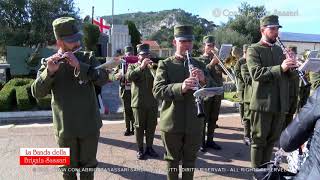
[(293, 48), (270, 21), (143, 49), (128, 49), (183, 32), (245, 47), (208, 39), (65, 29)]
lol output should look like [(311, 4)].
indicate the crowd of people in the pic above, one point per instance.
[(268, 87)]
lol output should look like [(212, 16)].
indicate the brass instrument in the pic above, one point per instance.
[(299, 72), (231, 61), (200, 111), (224, 68)]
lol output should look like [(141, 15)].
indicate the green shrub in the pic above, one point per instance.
[(231, 96), (7, 98), (16, 92), (24, 101), (44, 103), (91, 35)]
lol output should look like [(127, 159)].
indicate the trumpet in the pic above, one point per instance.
[(299, 72), (223, 67), (200, 111)]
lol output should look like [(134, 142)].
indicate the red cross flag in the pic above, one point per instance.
[(103, 26)]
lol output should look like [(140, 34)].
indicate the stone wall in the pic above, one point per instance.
[(111, 98)]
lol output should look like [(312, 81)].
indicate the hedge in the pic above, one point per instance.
[(24, 101), (17, 92), (7, 98)]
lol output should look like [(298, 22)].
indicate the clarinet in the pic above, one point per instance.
[(200, 112), (299, 72), (123, 71)]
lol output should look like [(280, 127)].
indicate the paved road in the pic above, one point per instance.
[(117, 153)]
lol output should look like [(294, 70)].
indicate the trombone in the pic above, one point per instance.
[(223, 67)]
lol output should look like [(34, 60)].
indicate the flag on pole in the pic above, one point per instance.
[(103, 26)]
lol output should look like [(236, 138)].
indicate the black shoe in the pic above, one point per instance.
[(150, 151), (140, 154), (127, 133), (132, 132), (247, 141), (203, 149), (213, 145)]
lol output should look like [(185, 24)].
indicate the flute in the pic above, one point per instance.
[(62, 57)]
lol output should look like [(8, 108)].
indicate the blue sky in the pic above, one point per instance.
[(304, 17)]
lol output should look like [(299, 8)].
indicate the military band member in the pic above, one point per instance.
[(240, 83), (293, 90), (181, 130), (247, 92), (70, 78), (125, 93), (212, 104), (143, 103), (304, 91), (270, 72)]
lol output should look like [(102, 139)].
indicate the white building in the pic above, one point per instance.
[(302, 41), (119, 38)]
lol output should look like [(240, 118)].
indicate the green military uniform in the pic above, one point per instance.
[(304, 92), (247, 92), (270, 99), (125, 94), (212, 104), (240, 85), (76, 117), (293, 95), (143, 103), (181, 130)]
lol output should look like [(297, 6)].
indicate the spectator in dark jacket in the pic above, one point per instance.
[(305, 125)]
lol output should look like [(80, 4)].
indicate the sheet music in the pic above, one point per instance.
[(225, 51), (312, 64), (208, 92), (312, 54)]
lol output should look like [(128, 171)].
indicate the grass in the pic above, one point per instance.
[(231, 96)]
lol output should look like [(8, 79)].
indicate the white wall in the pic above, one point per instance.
[(302, 46), (120, 37)]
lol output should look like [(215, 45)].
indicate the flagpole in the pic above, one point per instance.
[(111, 29), (112, 10), (92, 14)]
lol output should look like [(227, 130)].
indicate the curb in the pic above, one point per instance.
[(23, 117), (230, 103)]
